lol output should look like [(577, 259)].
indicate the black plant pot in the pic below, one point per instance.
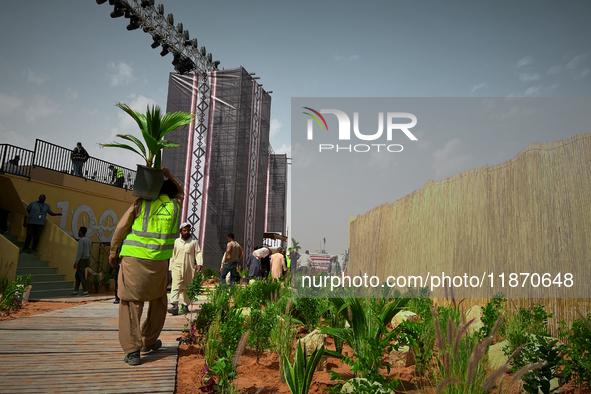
[(148, 182)]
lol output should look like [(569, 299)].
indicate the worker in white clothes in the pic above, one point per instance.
[(186, 258)]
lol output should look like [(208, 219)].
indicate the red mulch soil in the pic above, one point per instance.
[(253, 376), (37, 307), (264, 375)]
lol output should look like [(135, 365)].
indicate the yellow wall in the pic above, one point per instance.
[(8, 256), (81, 202)]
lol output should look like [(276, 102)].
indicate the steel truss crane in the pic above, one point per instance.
[(187, 56)]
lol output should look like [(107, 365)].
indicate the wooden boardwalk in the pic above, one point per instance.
[(77, 350)]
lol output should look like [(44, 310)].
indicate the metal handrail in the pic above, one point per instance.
[(57, 158), (15, 160)]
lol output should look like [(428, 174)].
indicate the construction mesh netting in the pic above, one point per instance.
[(223, 157)]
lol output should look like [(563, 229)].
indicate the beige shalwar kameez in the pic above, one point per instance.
[(139, 280), (182, 264), (277, 265)]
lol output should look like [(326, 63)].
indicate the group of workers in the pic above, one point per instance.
[(147, 243)]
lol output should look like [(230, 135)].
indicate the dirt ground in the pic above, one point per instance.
[(37, 307), (264, 375)]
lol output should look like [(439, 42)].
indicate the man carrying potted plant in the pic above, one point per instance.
[(146, 235)]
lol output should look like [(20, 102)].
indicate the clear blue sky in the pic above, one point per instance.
[(64, 64)]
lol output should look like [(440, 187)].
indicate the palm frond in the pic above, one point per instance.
[(171, 121), (123, 146), (153, 127), (151, 142), (167, 144), (139, 118), (135, 140), (340, 333), (153, 122)]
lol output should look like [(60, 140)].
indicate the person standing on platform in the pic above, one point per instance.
[(117, 176), (38, 211), (79, 156), (234, 253), (146, 235), (82, 261), (186, 256), (13, 166)]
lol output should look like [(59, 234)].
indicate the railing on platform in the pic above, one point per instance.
[(57, 158), (101, 262), (15, 160)]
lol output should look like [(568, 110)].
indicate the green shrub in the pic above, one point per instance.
[(261, 325), (281, 340), (490, 314), (232, 328), (308, 311), (212, 340), (270, 288), (210, 274), (522, 328), (420, 337), (541, 350), (220, 298), (226, 372), (367, 334), (205, 317), (421, 304), (535, 320), (225, 368), (195, 288), (258, 293), (251, 296), (578, 350), (12, 294)]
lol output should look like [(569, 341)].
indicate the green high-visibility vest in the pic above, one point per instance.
[(154, 231), (288, 261), (119, 172)]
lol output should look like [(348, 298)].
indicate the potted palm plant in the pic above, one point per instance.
[(154, 127)]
